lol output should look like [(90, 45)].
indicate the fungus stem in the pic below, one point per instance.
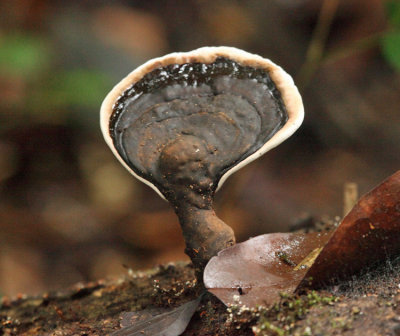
[(205, 234)]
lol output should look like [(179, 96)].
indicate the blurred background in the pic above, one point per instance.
[(70, 212)]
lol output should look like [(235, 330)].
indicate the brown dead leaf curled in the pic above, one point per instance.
[(256, 271), (368, 235)]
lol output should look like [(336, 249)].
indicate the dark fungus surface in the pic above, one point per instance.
[(184, 122), (211, 116)]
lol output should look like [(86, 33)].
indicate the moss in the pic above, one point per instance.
[(285, 258), (370, 303), (281, 318), (268, 327)]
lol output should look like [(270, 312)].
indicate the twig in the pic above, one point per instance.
[(350, 197)]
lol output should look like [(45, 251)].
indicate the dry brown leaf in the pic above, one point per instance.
[(256, 271), (368, 235)]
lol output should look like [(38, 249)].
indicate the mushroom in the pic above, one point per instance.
[(184, 122)]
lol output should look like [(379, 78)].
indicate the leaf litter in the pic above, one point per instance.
[(158, 322), (262, 269), (256, 271)]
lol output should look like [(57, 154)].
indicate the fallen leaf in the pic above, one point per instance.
[(368, 235), (129, 319), (158, 322), (256, 271)]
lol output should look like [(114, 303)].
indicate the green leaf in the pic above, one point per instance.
[(391, 48), (78, 88), (25, 55), (393, 12), (83, 87)]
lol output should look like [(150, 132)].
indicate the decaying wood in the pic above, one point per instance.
[(369, 305)]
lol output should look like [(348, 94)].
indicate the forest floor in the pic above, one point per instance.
[(367, 305)]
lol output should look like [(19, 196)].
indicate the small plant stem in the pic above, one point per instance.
[(317, 45), (352, 47)]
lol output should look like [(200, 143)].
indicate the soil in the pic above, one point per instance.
[(367, 305)]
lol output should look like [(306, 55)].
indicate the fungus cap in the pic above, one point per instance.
[(240, 105)]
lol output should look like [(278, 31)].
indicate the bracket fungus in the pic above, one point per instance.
[(184, 122)]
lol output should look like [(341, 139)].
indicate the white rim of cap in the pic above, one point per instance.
[(283, 81)]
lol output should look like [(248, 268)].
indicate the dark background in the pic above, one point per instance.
[(70, 212)]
